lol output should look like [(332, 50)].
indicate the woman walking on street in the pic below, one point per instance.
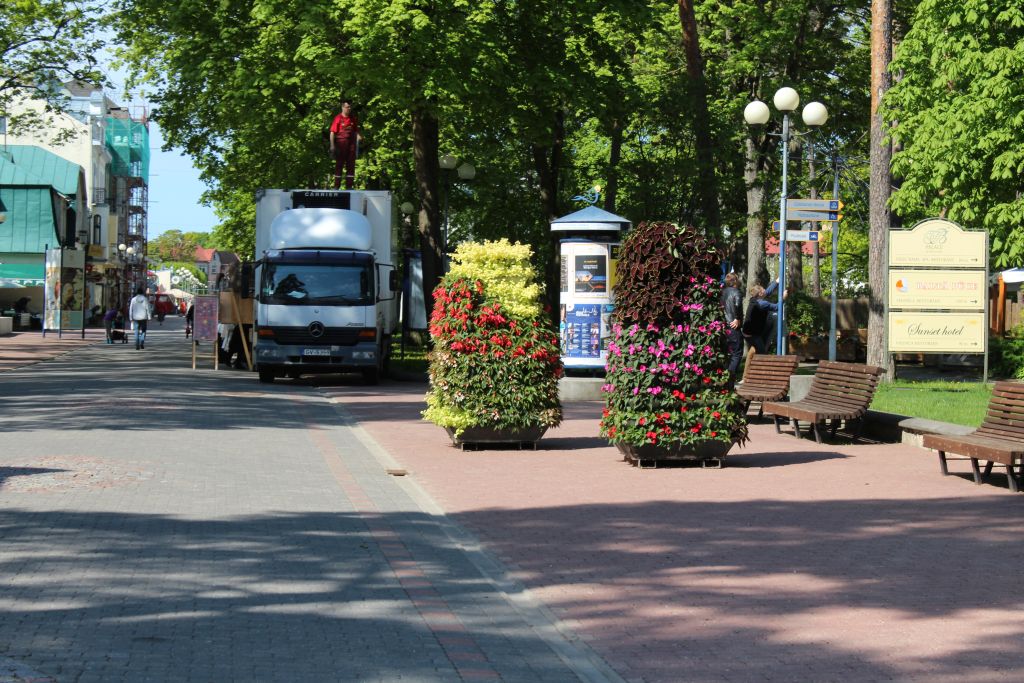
[(138, 312)]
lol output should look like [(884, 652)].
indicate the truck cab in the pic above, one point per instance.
[(325, 283)]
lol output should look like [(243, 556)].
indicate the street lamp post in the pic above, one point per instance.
[(465, 171), (756, 113)]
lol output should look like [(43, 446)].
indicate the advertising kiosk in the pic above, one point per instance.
[(588, 247)]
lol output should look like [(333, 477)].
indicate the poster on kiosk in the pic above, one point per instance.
[(588, 253)]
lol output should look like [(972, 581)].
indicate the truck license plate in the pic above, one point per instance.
[(316, 352)]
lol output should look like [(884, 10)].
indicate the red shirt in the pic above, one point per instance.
[(344, 127)]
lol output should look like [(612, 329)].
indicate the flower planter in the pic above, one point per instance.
[(709, 453), (482, 437)]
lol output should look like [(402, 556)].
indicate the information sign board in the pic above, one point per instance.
[(920, 332), (205, 310), (946, 289), (937, 243)]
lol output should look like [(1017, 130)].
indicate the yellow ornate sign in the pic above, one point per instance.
[(950, 289), (937, 243), (914, 332)]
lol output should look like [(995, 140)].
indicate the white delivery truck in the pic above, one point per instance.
[(326, 284)]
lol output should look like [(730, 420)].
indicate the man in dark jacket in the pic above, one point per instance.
[(732, 302)]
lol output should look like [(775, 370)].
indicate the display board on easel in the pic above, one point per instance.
[(205, 309)]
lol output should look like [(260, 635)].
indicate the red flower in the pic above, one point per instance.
[(716, 415), (642, 421)]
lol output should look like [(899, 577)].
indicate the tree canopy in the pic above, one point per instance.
[(957, 111), (43, 44)]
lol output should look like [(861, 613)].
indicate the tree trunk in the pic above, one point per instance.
[(881, 183), (708, 186), (547, 160), (757, 269), (424, 149), (611, 190)]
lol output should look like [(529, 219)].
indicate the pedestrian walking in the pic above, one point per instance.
[(139, 313), (757, 328), (190, 317), (732, 302), (345, 139), (108, 322)]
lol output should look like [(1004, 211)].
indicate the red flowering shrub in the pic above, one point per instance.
[(490, 367)]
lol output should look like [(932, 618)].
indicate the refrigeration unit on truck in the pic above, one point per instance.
[(326, 284)]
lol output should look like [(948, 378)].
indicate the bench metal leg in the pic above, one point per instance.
[(778, 430), (942, 463), (760, 410), (860, 428), (1011, 477), (976, 470), (796, 427), (817, 434), (835, 427), (988, 468)]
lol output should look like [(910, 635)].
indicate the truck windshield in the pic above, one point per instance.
[(302, 285)]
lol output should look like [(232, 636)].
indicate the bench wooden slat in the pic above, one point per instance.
[(839, 391), (766, 377), (1000, 438)]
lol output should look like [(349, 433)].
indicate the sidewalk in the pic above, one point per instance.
[(795, 562), (27, 347), (162, 524)]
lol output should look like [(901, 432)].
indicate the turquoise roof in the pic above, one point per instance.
[(27, 201), (30, 224), (13, 174), (55, 171)]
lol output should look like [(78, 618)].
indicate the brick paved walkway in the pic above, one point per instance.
[(795, 562), (161, 524), (25, 348)]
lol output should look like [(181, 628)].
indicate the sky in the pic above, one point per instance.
[(174, 190)]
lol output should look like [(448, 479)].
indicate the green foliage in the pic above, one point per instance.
[(667, 382), (182, 267), (495, 363), (1006, 355), (505, 271), (44, 43), (958, 109), (961, 403), (658, 264), (173, 245), (804, 316)]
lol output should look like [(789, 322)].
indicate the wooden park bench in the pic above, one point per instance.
[(766, 378), (839, 392), (999, 439)]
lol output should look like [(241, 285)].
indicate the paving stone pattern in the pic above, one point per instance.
[(160, 524)]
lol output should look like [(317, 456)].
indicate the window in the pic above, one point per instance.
[(303, 285)]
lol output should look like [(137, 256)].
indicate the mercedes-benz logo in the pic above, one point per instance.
[(316, 329)]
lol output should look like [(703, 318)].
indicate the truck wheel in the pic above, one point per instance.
[(266, 376), (370, 375)]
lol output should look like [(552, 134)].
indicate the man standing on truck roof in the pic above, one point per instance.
[(345, 140)]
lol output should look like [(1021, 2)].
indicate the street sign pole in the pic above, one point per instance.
[(835, 270), (780, 336)]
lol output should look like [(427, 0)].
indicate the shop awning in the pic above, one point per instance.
[(24, 274)]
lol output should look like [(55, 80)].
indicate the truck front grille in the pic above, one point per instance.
[(333, 336)]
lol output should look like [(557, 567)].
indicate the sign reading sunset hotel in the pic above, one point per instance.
[(937, 293), (913, 331)]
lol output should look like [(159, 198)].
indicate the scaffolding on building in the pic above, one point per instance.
[(127, 138)]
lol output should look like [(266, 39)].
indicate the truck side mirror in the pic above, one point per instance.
[(394, 281)]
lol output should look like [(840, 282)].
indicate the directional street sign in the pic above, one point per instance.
[(814, 205), (824, 227), (802, 235), (798, 215)]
